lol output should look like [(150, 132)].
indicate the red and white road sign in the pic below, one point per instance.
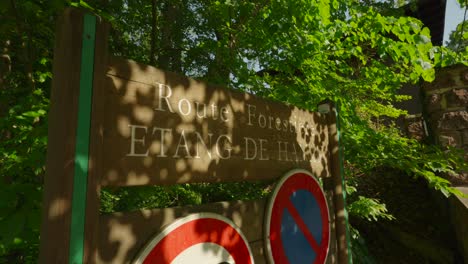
[(198, 238), (297, 223)]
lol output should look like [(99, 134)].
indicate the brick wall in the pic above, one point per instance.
[(446, 110)]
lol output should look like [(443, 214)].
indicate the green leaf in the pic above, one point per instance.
[(369, 209), (11, 226)]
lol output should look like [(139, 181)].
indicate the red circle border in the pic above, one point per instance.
[(192, 230), (291, 182)]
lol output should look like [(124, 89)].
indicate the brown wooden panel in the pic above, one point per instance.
[(331, 258), (257, 248), (58, 182), (338, 198), (123, 235), (96, 142), (162, 128)]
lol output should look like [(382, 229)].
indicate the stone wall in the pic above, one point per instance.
[(459, 217), (446, 111)]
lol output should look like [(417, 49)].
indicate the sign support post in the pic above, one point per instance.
[(339, 191), (71, 192)]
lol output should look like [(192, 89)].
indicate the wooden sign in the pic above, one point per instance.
[(115, 122), (177, 130)]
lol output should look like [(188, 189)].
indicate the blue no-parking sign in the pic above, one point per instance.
[(297, 224)]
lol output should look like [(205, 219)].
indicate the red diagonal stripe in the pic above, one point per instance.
[(300, 223)]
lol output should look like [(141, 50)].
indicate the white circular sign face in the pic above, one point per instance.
[(206, 238)]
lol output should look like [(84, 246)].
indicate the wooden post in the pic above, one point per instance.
[(70, 187), (341, 217), (96, 149)]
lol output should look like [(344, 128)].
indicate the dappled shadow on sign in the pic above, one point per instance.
[(160, 128), (151, 127)]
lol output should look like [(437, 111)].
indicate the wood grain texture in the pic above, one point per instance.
[(162, 128), (216, 146), (58, 182), (123, 235), (96, 142), (338, 198), (332, 257)]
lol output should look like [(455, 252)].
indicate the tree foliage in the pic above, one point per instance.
[(458, 39), (355, 53)]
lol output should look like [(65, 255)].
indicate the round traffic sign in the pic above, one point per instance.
[(198, 238), (297, 228)]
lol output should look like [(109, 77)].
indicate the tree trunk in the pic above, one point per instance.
[(170, 53), (26, 52), (152, 58)]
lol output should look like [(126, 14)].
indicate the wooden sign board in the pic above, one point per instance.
[(114, 122), (162, 128)]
